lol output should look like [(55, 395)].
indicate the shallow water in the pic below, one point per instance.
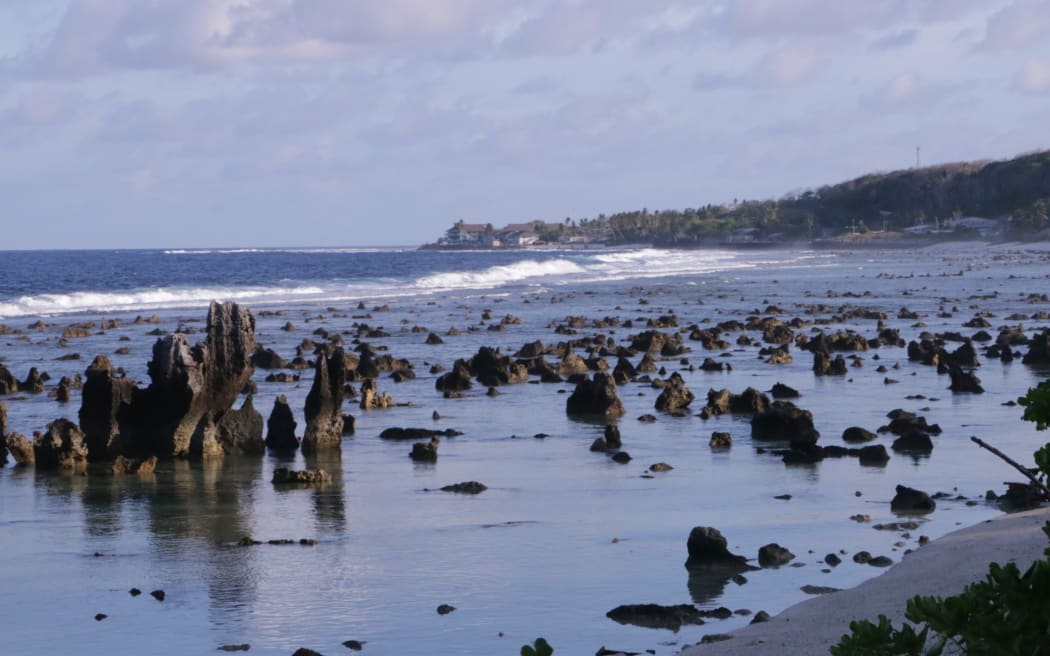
[(562, 535)]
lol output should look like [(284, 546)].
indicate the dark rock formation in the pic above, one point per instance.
[(268, 359), (675, 396), (1038, 349), (655, 616), (3, 433), (721, 402), (720, 440), (191, 388), (964, 381), (241, 431), (612, 436), (425, 451), (102, 401), (8, 383), (372, 398), (21, 449), (708, 548), (61, 447), (280, 427), (595, 397), (467, 487), (913, 441), (873, 455), (785, 421), (396, 433), (774, 555), (782, 391), (910, 500), (824, 365), (287, 475), (456, 380), (324, 404), (857, 434)]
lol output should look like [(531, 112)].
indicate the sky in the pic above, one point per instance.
[(204, 123)]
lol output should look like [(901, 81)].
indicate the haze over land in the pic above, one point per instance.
[(296, 122)]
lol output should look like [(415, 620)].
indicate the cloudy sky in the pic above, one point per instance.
[(162, 123)]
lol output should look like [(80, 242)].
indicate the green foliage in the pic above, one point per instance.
[(1008, 613), (1037, 408), (538, 648)]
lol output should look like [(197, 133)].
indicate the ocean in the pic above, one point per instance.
[(562, 535)]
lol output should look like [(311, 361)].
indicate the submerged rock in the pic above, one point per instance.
[(288, 475), (655, 616), (910, 500), (425, 451), (467, 487)]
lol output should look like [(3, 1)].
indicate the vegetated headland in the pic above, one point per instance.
[(1007, 199)]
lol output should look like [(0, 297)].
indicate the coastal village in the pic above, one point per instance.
[(522, 235)]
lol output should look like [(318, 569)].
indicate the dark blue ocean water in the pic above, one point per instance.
[(563, 534)]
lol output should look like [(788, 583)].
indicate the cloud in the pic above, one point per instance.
[(895, 40), (1018, 25), (1033, 77), (777, 68)]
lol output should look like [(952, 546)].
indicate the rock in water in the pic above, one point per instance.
[(241, 431), (61, 447), (785, 421), (280, 427), (191, 388), (324, 404), (425, 451), (707, 547), (910, 500), (21, 449), (3, 433), (774, 555), (675, 396), (655, 616), (595, 397), (101, 401), (372, 399)]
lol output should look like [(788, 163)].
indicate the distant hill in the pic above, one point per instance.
[(1016, 191), (903, 205)]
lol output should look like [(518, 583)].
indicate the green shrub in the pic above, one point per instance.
[(537, 648)]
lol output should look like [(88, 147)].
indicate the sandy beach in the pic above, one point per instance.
[(943, 568)]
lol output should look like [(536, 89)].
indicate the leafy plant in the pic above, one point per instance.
[(1037, 406), (1006, 613), (538, 648)]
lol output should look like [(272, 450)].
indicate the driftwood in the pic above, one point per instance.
[(1013, 463)]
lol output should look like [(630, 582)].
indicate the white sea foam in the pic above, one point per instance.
[(497, 276), (150, 299)]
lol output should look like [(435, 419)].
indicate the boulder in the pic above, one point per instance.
[(612, 436), (280, 427), (720, 440), (774, 555), (61, 447), (675, 396), (268, 359), (395, 433), (324, 404), (425, 451), (595, 396), (21, 449), (782, 391), (824, 365), (964, 381), (915, 441), (910, 500), (707, 547), (456, 380), (724, 402), (785, 421), (371, 398), (466, 487), (855, 434), (873, 455), (241, 431)]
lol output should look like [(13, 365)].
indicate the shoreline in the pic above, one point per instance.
[(942, 568)]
